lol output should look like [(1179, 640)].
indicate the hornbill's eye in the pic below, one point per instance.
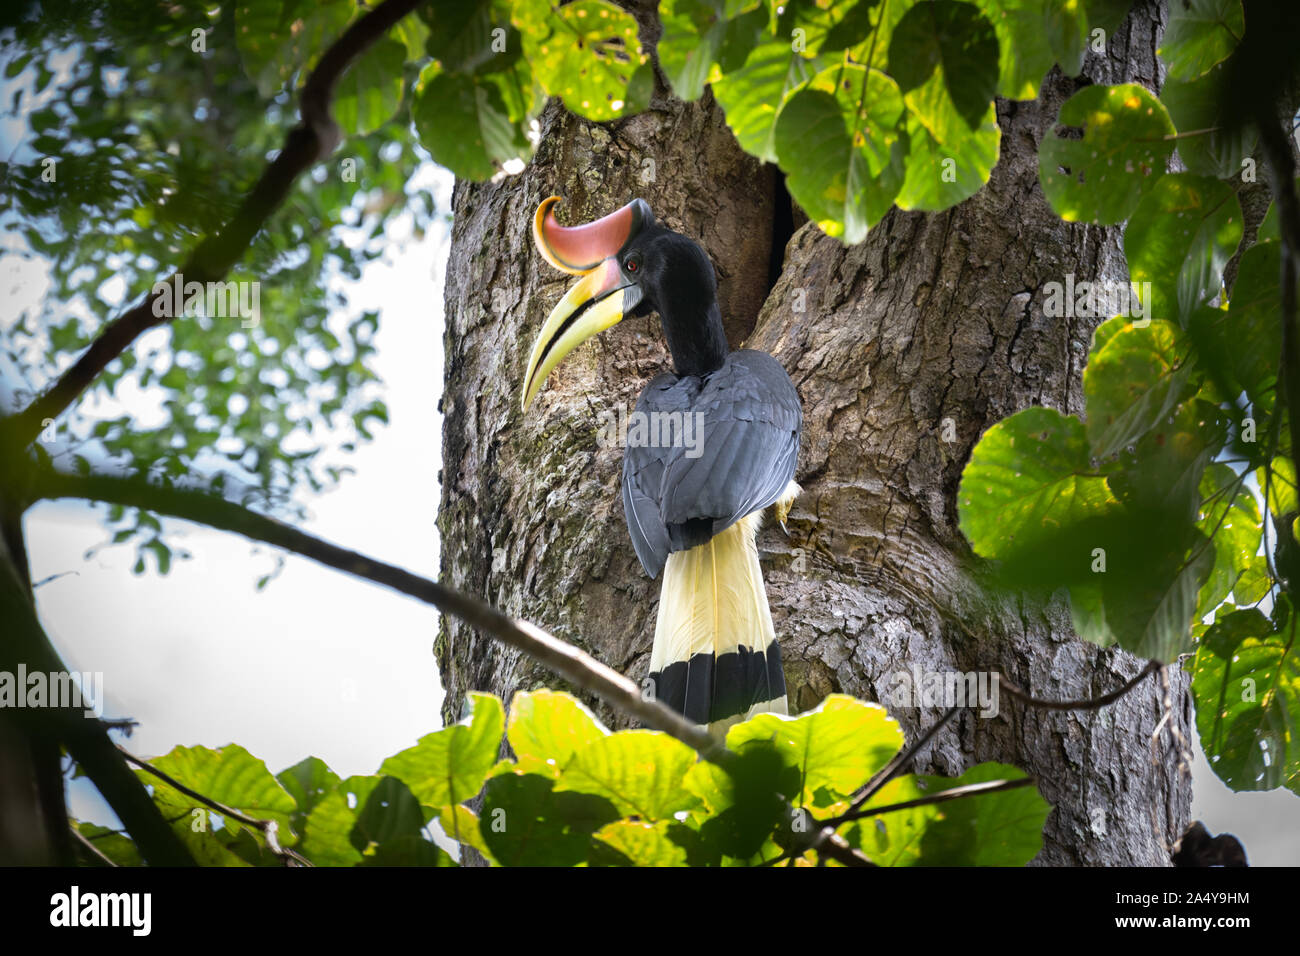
[(632, 265)]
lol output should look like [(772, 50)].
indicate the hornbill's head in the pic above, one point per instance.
[(630, 265)]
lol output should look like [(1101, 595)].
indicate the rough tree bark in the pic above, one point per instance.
[(933, 317)]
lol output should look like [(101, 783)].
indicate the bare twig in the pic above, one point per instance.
[(1088, 703), (268, 828), (313, 139), (891, 769), (956, 793)]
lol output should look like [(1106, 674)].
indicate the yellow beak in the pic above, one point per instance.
[(595, 303)]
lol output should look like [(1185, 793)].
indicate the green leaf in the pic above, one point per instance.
[(408, 850), (460, 34), (639, 771), (390, 812), (1132, 384), (1232, 517), (1150, 592), (275, 40), (1252, 333), (752, 95), (1255, 581), (1200, 34), (944, 55), (1027, 480), (1101, 177), (1024, 53), (361, 814), (583, 52), (1159, 478), (115, 845), (1088, 614), (1179, 239), (465, 124), (1229, 630), (461, 825), (697, 34), (1248, 703), (526, 823), (637, 843), (838, 745), (547, 727), (1107, 15), (855, 27), (309, 781), (449, 765), (745, 805), (1065, 25), (939, 176), (371, 90), (688, 48), (229, 775), (1207, 145), (1279, 480), (994, 829), (838, 142)]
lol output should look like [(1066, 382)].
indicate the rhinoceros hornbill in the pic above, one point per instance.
[(693, 509)]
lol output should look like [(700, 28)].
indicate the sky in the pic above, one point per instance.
[(318, 663)]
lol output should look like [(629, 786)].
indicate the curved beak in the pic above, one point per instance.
[(601, 297)]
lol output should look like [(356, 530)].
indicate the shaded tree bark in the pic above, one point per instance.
[(933, 317)]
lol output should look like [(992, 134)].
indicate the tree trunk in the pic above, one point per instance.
[(934, 317)]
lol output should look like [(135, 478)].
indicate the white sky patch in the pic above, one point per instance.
[(319, 663)]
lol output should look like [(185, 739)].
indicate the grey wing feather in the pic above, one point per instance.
[(744, 459)]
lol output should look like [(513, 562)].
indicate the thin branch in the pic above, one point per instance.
[(1090, 703), (956, 793), (313, 139), (566, 660), (891, 769), (96, 855), (268, 828)]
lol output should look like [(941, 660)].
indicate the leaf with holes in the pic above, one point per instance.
[(584, 52), (1101, 177)]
